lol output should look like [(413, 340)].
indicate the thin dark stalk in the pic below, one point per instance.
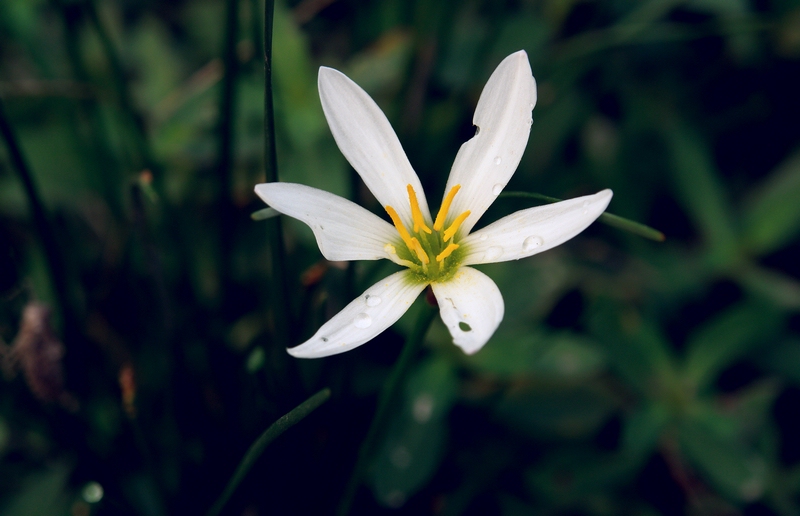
[(257, 448), (385, 402), (139, 132), (102, 163), (279, 289), (52, 251), (227, 104)]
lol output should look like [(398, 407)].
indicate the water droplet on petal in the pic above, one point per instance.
[(362, 321), (373, 300), (498, 160), (530, 122), (585, 204), (483, 237), (493, 253), (496, 189), (532, 242)]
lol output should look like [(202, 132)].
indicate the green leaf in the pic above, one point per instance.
[(727, 463), (41, 494), (634, 347), (772, 218), (726, 338), (415, 442), (699, 189), (557, 356), (556, 412), (642, 430)]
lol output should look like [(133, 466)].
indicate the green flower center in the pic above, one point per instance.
[(430, 252)]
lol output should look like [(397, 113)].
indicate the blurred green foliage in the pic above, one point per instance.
[(629, 377)]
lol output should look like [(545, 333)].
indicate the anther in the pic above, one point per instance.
[(448, 200), (451, 231), (447, 252), (416, 214), (421, 254), (399, 225)]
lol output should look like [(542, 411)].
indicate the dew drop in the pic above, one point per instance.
[(585, 204), (362, 321), (493, 253), (483, 237), (373, 300), (498, 160), (496, 189), (401, 457), (532, 242)]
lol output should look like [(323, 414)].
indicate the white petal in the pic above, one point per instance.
[(471, 307), (534, 230), (486, 162), (369, 143), (363, 319), (344, 230)]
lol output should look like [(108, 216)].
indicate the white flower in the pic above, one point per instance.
[(435, 252)]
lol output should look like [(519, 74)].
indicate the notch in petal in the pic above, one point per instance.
[(343, 229), (363, 319), (531, 231), (369, 143), (486, 162), (471, 307)]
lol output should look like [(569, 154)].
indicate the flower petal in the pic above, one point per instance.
[(369, 143), (534, 230), (486, 162), (344, 230), (471, 307), (363, 319)]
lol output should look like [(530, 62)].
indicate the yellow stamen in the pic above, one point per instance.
[(439, 222), (451, 231), (447, 252), (399, 225), (417, 248), (416, 214)]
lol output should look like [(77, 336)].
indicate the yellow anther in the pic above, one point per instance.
[(439, 222), (447, 252), (451, 231), (416, 214), (421, 254), (399, 225)]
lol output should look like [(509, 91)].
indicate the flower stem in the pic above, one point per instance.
[(270, 434), (51, 249), (388, 394), (279, 290)]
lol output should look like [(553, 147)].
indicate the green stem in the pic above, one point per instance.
[(52, 252), (610, 219), (279, 289), (225, 209), (139, 133), (388, 394), (257, 448)]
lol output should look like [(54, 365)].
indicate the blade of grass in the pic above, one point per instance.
[(270, 434), (279, 287), (55, 261), (124, 97), (225, 138), (610, 219)]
